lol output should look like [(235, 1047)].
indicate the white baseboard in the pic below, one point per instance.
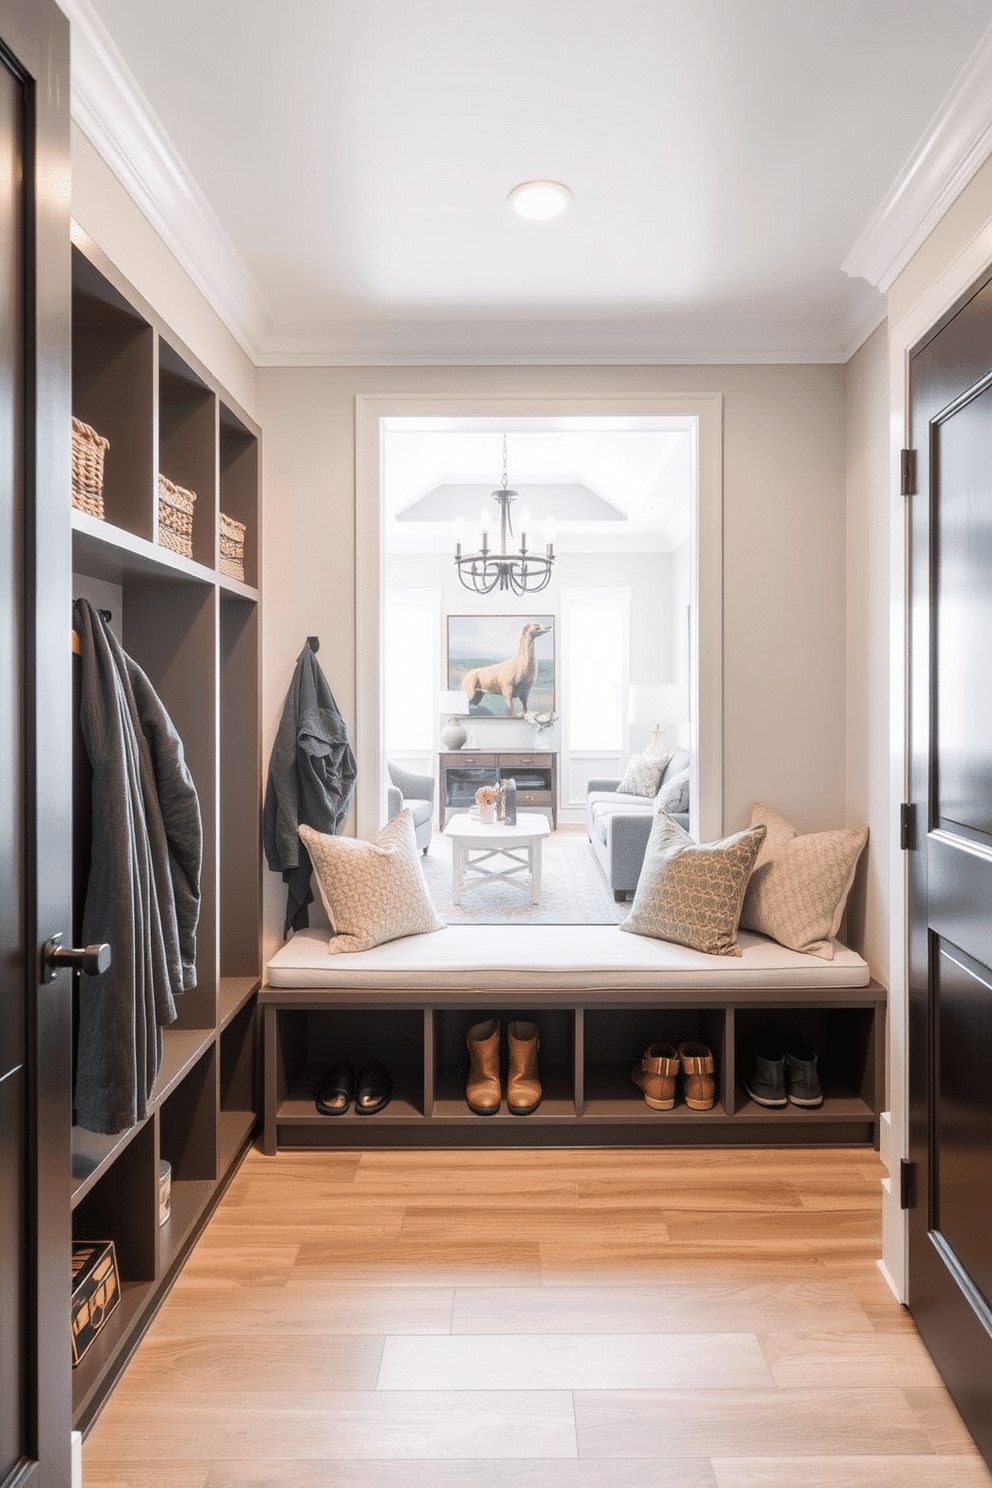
[(77, 1459)]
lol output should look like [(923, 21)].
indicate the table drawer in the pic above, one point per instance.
[(466, 760), (542, 760), (534, 798)]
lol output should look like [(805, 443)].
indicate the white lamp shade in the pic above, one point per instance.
[(452, 702), (655, 702)]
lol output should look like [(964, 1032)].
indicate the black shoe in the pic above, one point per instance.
[(766, 1084), (335, 1089), (375, 1087), (801, 1076)]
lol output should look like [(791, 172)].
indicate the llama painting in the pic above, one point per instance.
[(505, 664)]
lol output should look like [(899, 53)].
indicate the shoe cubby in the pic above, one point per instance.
[(588, 1045), (615, 1039), (312, 1041), (448, 1032), (196, 634), (844, 1041)]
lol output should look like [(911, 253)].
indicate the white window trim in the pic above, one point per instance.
[(587, 595)]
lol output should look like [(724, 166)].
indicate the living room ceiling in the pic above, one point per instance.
[(610, 485), (334, 173)]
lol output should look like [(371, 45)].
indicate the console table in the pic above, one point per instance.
[(462, 771)]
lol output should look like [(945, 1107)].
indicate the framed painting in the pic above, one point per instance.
[(504, 664)]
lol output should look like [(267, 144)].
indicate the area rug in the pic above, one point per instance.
[(573, 888)]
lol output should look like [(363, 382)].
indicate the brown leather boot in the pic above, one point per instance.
[(523, 1084), (482, 1089), (698, 1084)]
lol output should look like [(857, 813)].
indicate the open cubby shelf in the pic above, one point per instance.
[(588, 1047), (195, 632)]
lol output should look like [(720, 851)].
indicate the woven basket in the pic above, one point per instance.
[(232, 548), (175, 517), (88, 450)]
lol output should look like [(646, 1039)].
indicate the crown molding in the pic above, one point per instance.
[(111, 110), (956, 144)]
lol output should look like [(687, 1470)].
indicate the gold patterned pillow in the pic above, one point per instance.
[(372, 891), (692, 893), (799, 887)]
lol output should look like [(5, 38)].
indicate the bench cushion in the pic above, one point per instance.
[(553, 957)]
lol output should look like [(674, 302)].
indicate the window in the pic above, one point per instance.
[(595, 636), (410, 670)]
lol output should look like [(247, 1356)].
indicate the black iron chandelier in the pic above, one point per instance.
[(522, 572)]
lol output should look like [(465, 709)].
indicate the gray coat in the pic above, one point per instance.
[(142, 894), (311, 779)]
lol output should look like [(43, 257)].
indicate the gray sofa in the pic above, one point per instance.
[(416, 792), (619, 827)]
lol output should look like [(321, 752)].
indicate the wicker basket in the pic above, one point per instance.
[(232, 548), (175, 517), (88, 450)]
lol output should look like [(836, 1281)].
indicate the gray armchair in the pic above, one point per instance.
[(415, 792)]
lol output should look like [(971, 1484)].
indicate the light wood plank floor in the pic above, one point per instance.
[(578, 1319)]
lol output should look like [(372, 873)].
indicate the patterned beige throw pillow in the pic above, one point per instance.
[(799, 886), (692, 893), (372, 891), (643, 774)]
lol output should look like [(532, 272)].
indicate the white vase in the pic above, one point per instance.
[(540, 739), (487, 813)]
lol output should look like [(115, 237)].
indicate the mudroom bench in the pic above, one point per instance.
[(599, 996)]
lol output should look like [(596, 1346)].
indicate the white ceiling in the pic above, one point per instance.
[(636, 476), (348, 162)]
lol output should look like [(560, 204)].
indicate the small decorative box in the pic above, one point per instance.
[(96, 1291)]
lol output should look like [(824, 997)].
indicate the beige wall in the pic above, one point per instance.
[(784, 555), (868, 515)]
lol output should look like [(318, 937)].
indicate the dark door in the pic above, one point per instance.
[(35, 1112), (950, 1034)]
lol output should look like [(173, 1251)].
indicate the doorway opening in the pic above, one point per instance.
[(635, 490)]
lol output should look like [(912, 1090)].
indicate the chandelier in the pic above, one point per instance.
[(522, 572)]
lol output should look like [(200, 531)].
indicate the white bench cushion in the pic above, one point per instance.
[(553, 957)]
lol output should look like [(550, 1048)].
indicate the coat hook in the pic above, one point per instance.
[(313, 642)]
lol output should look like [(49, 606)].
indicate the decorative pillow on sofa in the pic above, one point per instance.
[(372, 891), (692, 893), (799, 887), (673, 794), (643, 774)]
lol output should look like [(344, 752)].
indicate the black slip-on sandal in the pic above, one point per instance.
[(335, 1089), (375, 1087)]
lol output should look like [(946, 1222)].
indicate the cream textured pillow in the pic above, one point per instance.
[(372, 891), (692, 893), (800, 885), (643, 774), (673, 796)]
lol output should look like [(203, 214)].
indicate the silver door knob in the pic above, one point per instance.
[(91, 960)]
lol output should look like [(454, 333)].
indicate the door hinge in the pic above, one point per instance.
[(907, 826), (907, 1184), (907, 472)]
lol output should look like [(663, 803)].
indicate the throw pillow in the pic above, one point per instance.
[(643, 774), (673, 794), (372, 891), (690, 892), (800, 884)]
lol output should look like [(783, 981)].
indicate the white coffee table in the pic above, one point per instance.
[(474, 844)]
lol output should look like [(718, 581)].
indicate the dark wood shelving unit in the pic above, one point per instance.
[(195, 632), (589, 1043)]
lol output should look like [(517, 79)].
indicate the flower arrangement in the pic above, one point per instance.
[(487, 795), (540, 722)]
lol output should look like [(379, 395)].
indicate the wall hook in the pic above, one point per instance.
[(313, 642)]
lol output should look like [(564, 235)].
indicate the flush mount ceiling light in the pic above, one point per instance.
[(539, 201)]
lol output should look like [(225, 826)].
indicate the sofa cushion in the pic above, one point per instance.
[(798, 890), (690, 892), (372, 891), (643, 775)]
